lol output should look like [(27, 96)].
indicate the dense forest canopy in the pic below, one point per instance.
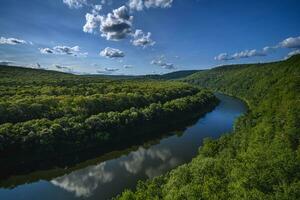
[(261, 158), (47, 111)]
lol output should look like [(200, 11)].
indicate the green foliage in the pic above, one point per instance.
[(44, 111), (261, 158), (172, 75)]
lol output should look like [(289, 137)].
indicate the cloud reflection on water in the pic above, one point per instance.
[(83, 182), (143, 162)]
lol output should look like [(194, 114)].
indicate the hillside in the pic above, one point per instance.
[(261, 158), (47, 112), (167, 76), (22, 72), (173, 75)]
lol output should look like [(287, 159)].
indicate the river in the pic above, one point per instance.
[(107, 176)]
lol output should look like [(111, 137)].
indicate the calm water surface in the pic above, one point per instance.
[(106, 177)]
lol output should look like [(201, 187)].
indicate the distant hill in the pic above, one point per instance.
[(167, 76), (23, 72), (173, 75)]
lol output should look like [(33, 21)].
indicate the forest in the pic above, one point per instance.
[(260, 159), (46, 112)]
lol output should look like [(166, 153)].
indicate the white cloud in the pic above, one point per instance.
[(75, 3), (161, 61), (242, 54), (112, 53), (291, 42), (46, 51), (223, 56), (64, 50), (92, 22), (268, 49), (11, 41), (136, 5), (141, 4), (142, 39), (169, 66), (92, 19), (85, 181), (248, 54), (116, 25), (96, 8), (158, 3), (296, 52)]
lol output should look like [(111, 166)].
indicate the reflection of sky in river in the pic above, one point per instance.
[(141, 163)]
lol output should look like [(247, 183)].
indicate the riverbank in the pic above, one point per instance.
[(127, 167), (260, 159)]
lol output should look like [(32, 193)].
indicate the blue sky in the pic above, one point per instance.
[(184, 34)]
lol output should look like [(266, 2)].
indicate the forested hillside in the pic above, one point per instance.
[(173, 75), (261, 158), (51, 112), (167, 76)]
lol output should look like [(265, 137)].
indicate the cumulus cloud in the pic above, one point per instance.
[(163, 64), (241, 54), (291, 42), (92, 19), (64, 50), (92, 22), (296, 52), (96, 8), (248, 53), (158, 3), (75, 3), (142, 39), (11, 41), (141, 4), (46, 51), (112, 53), (161, 61), (136, 5), (116, 25), (223, 56)]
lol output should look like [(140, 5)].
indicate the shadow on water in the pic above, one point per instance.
[(90, 176)]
